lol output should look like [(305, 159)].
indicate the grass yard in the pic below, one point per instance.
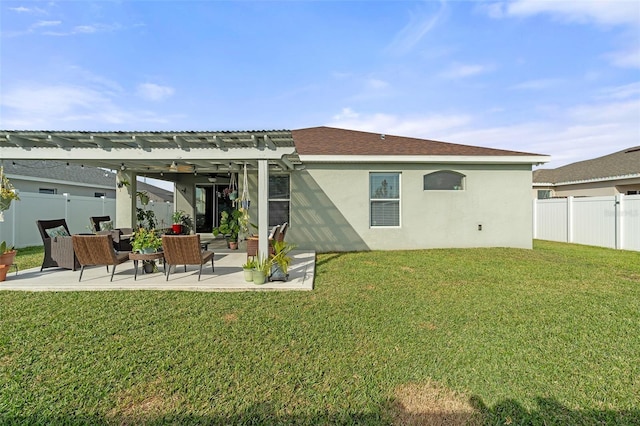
[(466, 336)]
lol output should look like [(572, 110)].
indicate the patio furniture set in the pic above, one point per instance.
[(112, 247)]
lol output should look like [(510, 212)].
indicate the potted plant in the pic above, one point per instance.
[(176, 217), (280, 261), (261, 270), (145, 241), (229, 227), (7, 257), (248, 268)]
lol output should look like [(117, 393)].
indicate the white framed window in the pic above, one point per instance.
[(444, 180), (279, 199), (384, 199), (48, 190)]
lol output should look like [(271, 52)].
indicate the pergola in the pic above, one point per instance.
[(170, 156)]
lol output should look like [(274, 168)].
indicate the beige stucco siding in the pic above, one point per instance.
[(330, 208)]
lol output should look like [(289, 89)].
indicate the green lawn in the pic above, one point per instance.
[(543, 336)]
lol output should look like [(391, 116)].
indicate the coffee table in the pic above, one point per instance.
[(145, 256)]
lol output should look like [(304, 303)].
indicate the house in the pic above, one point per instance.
[(57, 177), (339, 190), (617, 173)]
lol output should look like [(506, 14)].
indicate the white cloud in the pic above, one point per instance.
[(464, 70), (41, 24), (427, 126), (544, 83), (375, 83), (154, 92), (629, 58), (66, 106), (598, 12), (420, 23), (22, 9), (577, 133)]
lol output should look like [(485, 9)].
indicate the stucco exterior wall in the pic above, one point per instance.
[(330, 208)]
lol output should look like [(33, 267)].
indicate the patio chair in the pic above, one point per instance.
[(253, 242), (102, 225), (185, 250), (97, 250), (58, 247)]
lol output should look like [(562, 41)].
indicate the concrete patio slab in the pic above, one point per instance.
[(228, 276)]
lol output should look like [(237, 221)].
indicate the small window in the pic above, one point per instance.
[(47, 190), (633, 192), (99, 194), (544, 194), (444, 180), (384, 199), (279, 199)]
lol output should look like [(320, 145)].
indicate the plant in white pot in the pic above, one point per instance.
[(261, 270), (248, 268)]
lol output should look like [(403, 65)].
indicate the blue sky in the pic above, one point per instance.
[(548, 77)]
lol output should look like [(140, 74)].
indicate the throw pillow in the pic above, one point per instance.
[(58, 231), (107, 225)]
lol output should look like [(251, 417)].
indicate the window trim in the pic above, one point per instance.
[(398, 200)]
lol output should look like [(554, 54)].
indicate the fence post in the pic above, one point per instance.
[(619, 221), (535, 218), (570, 219)]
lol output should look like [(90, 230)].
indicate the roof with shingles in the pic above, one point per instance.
[(619, 164), (333, 141), (91, 176)]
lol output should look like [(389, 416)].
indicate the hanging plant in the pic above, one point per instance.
[(7, 192)]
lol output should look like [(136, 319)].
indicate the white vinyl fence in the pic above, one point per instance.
[(612, 221), (20, 230)]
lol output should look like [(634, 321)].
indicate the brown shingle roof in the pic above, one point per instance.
[(621, 163), (333, 141)]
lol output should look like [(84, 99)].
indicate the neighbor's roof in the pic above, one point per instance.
[(76, 173), (329, 141), (621, 164)]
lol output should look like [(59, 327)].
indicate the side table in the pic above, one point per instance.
[(145, 256)]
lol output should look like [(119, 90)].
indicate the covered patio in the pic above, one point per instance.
[(189, 159)]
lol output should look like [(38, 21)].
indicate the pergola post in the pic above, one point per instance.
[(126, 189), (263, 208)]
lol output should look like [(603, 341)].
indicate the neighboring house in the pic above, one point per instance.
[(339, 190), (617, 173), (55, 177)]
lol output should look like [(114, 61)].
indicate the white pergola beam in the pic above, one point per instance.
[(268, 142), (181, 142), (19, 141), (160, 154), (58, 141), (104, 143)]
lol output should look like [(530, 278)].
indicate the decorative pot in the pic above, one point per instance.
[(149, 266), (233, 245), (8, 258), (148, 250), (248, 275), (176, 228), (259, 277), (3, 272)]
